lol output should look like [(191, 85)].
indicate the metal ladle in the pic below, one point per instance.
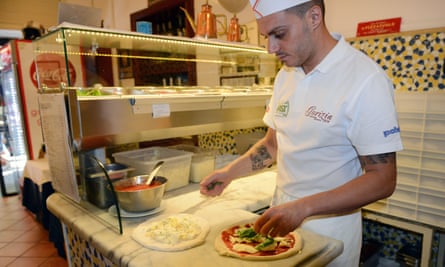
[(154, 172)]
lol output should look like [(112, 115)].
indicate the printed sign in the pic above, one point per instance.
[(379, 27)]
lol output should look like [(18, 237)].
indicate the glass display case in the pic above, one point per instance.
[(111, 58), (126, 87), (149, 80)]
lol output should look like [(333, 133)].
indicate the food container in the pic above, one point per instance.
[(97, 187), (114, 171), (176, 166), (135, 196), (203, 161)]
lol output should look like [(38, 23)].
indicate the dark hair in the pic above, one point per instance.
[(300, 10)]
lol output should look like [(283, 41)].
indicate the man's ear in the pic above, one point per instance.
[(315, 16)]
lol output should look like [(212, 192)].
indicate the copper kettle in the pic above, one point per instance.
[(235, 29), (206, 25)]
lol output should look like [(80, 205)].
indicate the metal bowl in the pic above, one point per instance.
[(139, 200)]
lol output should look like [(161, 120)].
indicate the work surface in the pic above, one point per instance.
[(235, 205)]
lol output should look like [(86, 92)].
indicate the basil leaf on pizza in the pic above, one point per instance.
[(172, 233), (241, 241)]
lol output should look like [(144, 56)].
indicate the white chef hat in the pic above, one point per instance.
[(262, 8)]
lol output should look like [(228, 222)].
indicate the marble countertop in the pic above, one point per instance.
[(235, 205)]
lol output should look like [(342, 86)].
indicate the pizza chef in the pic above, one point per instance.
[(328, 123)]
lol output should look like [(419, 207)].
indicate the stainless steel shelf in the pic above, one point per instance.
[(103, 121)]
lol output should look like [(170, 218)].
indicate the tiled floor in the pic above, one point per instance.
[(24, 241)]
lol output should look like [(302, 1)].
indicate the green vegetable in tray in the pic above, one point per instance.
[(91, 92)]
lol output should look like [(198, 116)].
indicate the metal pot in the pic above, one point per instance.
[(96, 184), (140, 200)]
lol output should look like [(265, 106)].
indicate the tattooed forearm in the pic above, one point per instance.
[(377, 159), (261, 158)]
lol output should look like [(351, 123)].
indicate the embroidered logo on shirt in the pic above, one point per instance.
[(392, 131), (322, 116), (282, 110)]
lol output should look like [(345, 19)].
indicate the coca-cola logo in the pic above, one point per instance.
[(50, 70)]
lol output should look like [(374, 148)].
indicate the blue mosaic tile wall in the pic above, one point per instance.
[(414, 61), (83, 254), (224, 142), (393, 239)]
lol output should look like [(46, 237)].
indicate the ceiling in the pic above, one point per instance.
[(15, 14)]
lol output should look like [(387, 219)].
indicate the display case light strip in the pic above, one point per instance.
[(137, 57), (177, 41)]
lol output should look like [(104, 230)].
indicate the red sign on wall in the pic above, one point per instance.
[(52, 71), (379, 27)]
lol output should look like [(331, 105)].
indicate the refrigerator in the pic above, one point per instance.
[(20, 130)]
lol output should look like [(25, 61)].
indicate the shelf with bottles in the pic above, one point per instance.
[(171, 23), (166, 17)]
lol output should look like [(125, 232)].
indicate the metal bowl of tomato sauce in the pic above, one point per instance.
[(134, 195)]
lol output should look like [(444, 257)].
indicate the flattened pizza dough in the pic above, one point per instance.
[(172, 232), (247, 251)]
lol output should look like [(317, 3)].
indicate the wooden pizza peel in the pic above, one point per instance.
[(317, 250)]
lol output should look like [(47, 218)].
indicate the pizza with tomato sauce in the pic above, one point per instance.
[(241, 241)]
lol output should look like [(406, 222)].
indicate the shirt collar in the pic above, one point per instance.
[(330, 60)]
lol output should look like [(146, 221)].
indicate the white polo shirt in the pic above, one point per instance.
[(326, 118)]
